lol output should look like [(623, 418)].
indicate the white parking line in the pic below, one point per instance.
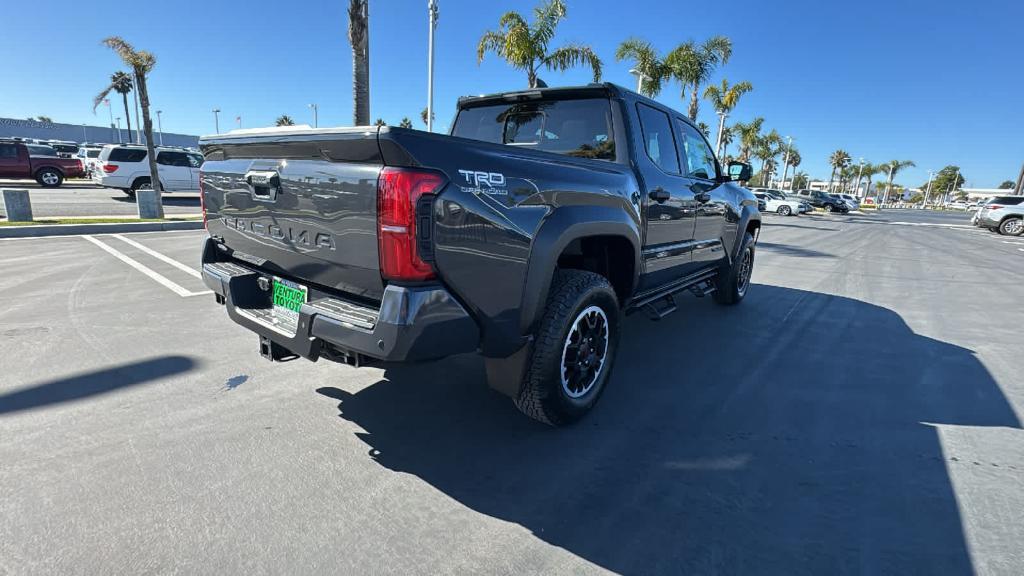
[(160, 279), (184, 268)]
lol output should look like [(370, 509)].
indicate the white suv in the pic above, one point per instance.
[(126, 167)]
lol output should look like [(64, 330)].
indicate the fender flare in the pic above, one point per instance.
[(557, 230), (748, 215)]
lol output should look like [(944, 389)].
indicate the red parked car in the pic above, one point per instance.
[(20, 160)]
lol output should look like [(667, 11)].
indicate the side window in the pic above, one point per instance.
[(700, 161), (8, 151), (173, 159), (658, 139), (195, 160)]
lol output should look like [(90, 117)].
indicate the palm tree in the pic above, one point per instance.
[(525, 46), (359, 38), (652, 68), (724, 98), (705, 129), (405, 123), (869, 172), (727, 134), (749, 133), (800, 180), (141, 62), (692, 65), (893, 167), (380, 122), (284, 120), (791, 157), (121, 83), (766, 149), (838, 160), (423, 116), (44, 119)]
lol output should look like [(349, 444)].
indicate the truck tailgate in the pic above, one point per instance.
[(301, 204)]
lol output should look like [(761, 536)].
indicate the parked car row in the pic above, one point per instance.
[(1002, 214), (19, 159), (802, 201)]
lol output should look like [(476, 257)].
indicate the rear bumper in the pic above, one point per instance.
[(412, 323)]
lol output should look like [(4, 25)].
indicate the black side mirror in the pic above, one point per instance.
[(740, 171)]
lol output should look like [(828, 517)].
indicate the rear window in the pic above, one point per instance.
[(580, 128), (37, 150), (127, 155), (1008, 200)]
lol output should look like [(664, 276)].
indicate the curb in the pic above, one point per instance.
[(111, 228)]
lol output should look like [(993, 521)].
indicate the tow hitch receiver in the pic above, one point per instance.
[(275, 352)]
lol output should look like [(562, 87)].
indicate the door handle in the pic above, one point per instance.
[(659, 195)]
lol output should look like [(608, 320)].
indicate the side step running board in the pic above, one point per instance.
[(661, 303)]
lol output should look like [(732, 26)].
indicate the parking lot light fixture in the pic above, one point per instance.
[(315, 114), (216, 120), (860, 173), (119, 139), (785, 164), (432, 17), (639, 80), (722, 115), (160, 126)]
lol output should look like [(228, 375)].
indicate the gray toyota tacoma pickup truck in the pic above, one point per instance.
[(524, 235)]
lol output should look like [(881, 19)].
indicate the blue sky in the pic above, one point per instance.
[(934, 82)]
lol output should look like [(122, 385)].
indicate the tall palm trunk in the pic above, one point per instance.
[(359, 36), (831, 178), (531, 77), (694, 103), (147, 128), (127, 116)]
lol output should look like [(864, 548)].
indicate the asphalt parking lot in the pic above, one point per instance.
[(84, 199), (859, 413)]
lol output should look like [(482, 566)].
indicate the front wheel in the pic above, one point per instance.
[(49, 178), (785, 210), (733, 282), (573, 350), (828, 208), (1011, 227)]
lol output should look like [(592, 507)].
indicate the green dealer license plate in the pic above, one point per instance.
[(288, 297)]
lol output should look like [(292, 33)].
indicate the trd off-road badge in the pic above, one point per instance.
[(484, 182)]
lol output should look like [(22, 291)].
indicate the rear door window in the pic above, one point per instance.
[(580, 128), (173, 159), (8, 151), (658, 139), (127, 155)]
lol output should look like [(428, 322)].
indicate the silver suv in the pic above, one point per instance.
[(1007, 220)]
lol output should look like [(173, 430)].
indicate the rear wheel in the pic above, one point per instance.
[(49, 178), (828, 208), (1011, 227), (784, 210), (733, 282), (573, 350), (140, 184)]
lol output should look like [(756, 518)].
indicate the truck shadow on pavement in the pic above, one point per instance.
[(793, 434), (103, 381)]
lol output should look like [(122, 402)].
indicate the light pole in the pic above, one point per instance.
[(860, 173), (722, 115), (315, 113), (239, 120), (119, 139), (639, 80), (160, 126), (111, 112), (928, 190), (432, 22), (216, 120), (785, 163)]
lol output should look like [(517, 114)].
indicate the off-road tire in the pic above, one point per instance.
[(728, 288), (49, 178), (1011, 227), (542, 395)]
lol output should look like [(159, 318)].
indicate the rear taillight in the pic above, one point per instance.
[(398, 191), (109, 168), (202, 200)]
